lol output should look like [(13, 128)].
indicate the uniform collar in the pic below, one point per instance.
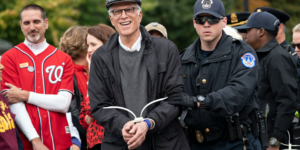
[(269, 46), (283, 43)]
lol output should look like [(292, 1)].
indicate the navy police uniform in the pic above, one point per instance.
[(278, 85), (229, 80)]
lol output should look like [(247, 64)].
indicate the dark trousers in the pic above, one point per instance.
[(254, 144)]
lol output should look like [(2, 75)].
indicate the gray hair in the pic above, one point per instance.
[(296, 28), (139, 9)]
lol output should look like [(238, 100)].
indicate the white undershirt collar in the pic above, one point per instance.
[(135, 47), (36, 48)]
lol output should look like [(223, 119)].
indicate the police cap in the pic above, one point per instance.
[(237, 19), (282, 16), (263, 20)]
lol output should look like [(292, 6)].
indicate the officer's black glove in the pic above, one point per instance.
[(182, 99)]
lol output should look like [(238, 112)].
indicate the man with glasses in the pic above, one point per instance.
[(220, 85), (132, 69), (277, 90)]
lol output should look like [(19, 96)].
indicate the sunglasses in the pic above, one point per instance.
[(210, 19), (294, 45)]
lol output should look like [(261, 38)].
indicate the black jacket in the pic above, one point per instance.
[(230, 87), (277, 88), (164, 77)]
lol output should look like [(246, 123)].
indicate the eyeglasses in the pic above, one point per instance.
[(211, 19), (294, 45), (128, 11)]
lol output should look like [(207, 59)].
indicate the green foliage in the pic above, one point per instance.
[(61, 15)]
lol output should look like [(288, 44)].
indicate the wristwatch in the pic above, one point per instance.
[(201, 100), (273, 142)]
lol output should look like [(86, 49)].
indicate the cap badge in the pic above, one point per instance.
[(154, 24), (234, 18), (258, 10), (206, 4)]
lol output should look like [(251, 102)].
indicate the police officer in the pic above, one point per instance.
[(278, 85), (282, 17), (238, 19), (220, 84)]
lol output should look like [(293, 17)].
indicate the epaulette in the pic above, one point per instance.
[(294, 53)]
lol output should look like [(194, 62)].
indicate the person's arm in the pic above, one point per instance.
[(23, 120), (283, 80), (111, 119), (45, 101), (50, 102), (240, 86), (172, 80)]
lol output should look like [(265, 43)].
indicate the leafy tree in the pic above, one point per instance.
[(61, 15)]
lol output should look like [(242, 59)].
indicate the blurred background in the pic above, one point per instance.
[(175, 15)]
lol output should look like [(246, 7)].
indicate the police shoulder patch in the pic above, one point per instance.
[(248, 60)]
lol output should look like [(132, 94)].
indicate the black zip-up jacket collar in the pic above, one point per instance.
[(223, 47), (269, 46)]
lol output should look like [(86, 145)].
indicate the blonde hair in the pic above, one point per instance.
[(296, 28), (73, 41)]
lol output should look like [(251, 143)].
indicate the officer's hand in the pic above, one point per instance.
[(139, 130), (37, 144), (273, 147), (15, 95), (182, 99), (125, 131)]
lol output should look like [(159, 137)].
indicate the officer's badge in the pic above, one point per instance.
[(206, 4), (234, 18), (258, 10), (199, 136), (248, 60)]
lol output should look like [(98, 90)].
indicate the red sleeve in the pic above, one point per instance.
[(10, 73), (83, 113), (67, 77)]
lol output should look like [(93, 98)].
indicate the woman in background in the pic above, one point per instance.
[(73, 43), (96, 37)]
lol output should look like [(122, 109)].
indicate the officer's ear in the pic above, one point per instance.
[(261, 32)]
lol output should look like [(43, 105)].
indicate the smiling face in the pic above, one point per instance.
[(93, 44), (33, 25), (126, 24), (210, 33)]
